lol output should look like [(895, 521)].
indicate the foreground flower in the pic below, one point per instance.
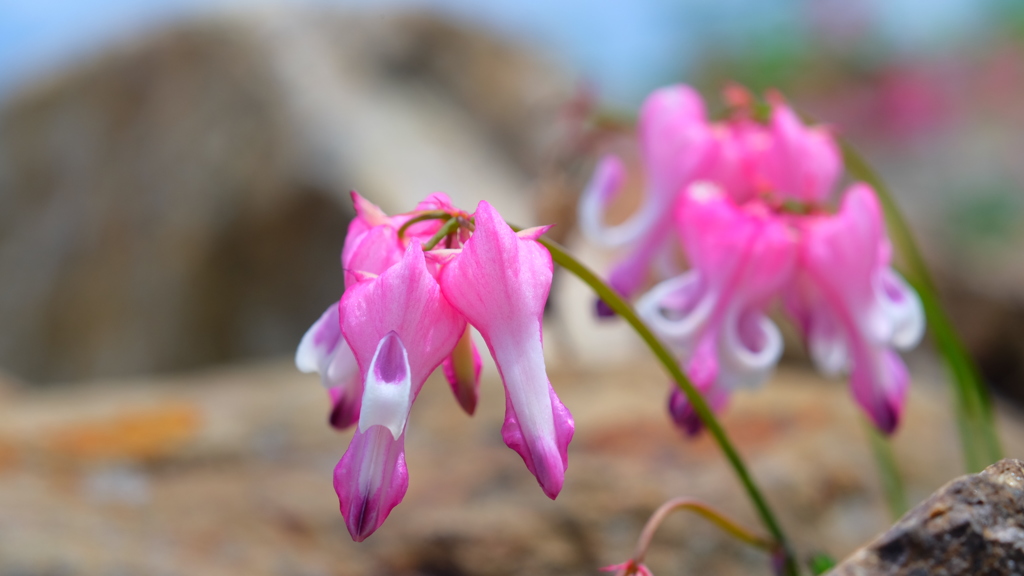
[(415, 283), (629, 568), (749, 208)]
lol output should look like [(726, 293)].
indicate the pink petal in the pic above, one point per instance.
[(802, 163), (630, 568), (534, 233), (372, 252), (462, 369), (675, 138), (407, 300), (544, 452), (632, 273), (879, 382), (370, 480), (425, 229), (379, 316), (741, 256), (855, 307), (702, 370), (676, 142), (500, 282)]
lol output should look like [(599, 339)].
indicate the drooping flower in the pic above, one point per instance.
[(749, 207), (741, 256), (500, 283), (413, 288), (400, 329), (853, 308)]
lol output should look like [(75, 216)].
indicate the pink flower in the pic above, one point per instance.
[(676, 144), (400, 329), (853, 308), (741, 256), (748, 206), (794, 161), (406, 311), (629, 568), (500, 282)]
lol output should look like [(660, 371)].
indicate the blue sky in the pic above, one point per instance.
[(625, 47)]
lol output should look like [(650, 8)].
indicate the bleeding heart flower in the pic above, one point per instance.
[(746, 201), (414, 285)]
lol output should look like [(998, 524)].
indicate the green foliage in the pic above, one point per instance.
[(820, 563)]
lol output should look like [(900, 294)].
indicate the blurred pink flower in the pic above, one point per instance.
[(748, 203), (405, 312), (630, 568)]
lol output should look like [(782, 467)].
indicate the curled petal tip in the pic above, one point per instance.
[(602, 189)]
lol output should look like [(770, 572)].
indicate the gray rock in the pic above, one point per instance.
[(972, 526)]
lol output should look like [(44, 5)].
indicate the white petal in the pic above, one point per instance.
[(827, 345), (748, 360), (387, 394), (603, 187), (683, 296), (318, 343), (341, 367), (901, 307)]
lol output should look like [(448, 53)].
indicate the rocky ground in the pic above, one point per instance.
[(229, 471)]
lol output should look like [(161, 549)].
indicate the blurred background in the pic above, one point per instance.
[(174, 181)]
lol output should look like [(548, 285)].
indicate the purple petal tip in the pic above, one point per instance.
[(603, 310)]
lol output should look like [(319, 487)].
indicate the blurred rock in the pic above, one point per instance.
[(973, 525), (183, 199), (244, 483)]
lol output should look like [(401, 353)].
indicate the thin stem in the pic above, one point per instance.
[(729, 526), (888, 471), (700, 406), (428, 215), (978, 436), (449, 227)]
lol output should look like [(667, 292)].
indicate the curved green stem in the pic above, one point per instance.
[(448, 227), (700, 406), (423, 216), (978, 436)]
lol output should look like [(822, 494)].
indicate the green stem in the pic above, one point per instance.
[(428, 215), (445, 230), (888, 471), (978, 436), (700, 406)]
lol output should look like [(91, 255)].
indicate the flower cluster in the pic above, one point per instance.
[(748, 201), (414, 284)]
